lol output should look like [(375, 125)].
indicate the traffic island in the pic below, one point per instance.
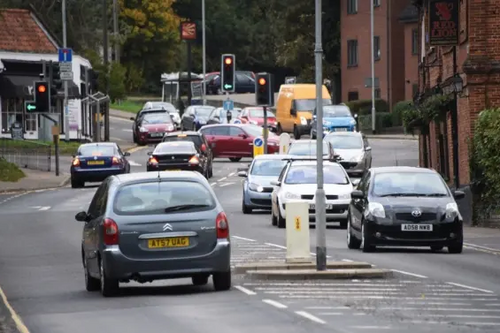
[(312, 274), (280, 266)]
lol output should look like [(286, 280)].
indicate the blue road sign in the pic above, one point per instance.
[(258, 142), (65, 55), (228, 105), (237, 121)]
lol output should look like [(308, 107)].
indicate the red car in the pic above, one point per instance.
[(255, 116), (152, 127), (236, 140)]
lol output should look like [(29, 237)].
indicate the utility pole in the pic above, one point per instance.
[(204, 51), (66, 107), (115, 30), (320, 192), (106, 68), (372, 34)]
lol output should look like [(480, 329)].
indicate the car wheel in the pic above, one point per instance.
[(211, 171), (200, 280), (235, 159), (436, 248), (222, 281), (244, 208), (456, 247), (274, 219), (366, 246), (109, 287), (91, 284), (296, 133), (281, 221), (352, 242), (134, 138), (77, 184)]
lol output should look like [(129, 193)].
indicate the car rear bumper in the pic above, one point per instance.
[(257, 200), (95, 175), (118, 266), (338, 213)]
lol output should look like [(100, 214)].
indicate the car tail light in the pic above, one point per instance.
[(76, 161), (153, 160), (116, 160), (110, 232), (194, 160), (222, 225)]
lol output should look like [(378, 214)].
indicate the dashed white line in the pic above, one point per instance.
[(223, 178), (226, 184), (347, 260), (245, 239), (232, 174), (310, 317), (213, 184), (469, 287), (45, 208), (274, 303), (372, 327), (410, 274), (245, 290), (276, 245), (474, 246)]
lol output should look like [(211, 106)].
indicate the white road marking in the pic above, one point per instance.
[(245, 239), (36, 207), (372, 327), (461, 316), (469, 287), (387, 297), (396, 308), (276, 245), (330, 313), (223, 178), (327, 307), (481, 247), (226, 184), (347, 260), (482, 324), (127, 130), (274, 303), (245, 290), (310, 317), (45, 208), (410, 274), (232, 174), (213, 184), (132, 163)]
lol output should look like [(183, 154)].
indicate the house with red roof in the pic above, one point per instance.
[(26, 52)]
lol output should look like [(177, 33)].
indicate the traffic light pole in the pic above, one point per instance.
[(66, 108), (265, 130)]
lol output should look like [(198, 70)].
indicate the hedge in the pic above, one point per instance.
[(382, 120), (398, 110), (364, 106)]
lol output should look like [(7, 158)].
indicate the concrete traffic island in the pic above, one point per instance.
[(281, 266)]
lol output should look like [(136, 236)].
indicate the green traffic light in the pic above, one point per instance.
[(31, 107)]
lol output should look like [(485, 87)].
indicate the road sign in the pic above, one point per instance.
[(67, 76), (65, 67), (30, 106), (65, 55), (228, 105), (258, 147)]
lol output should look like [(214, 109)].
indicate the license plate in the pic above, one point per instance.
[(341, 130), (95, 163), (313, 207), (156, 134), (416, 227), (161, 243)]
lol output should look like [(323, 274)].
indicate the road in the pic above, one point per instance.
[(41, 274)]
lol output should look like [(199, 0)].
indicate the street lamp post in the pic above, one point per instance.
[(320, 192), (204, 51), (372, 36)]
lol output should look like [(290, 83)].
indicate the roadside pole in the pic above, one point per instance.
[(66, 107), (265, 129), (204, 42)]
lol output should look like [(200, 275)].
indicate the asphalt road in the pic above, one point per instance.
[(121, 131), (41, 274)]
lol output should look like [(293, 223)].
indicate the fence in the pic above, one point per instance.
[(27, 154)]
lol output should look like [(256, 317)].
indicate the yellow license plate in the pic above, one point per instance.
[(95, 162), (161, 243)]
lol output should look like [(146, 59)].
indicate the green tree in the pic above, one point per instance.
[(117, 75)]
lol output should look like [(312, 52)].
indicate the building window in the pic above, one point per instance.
[(352, 6), (376, 3), (352, 96), (377, 93), (414, 41), (352, 53), (376, 48)]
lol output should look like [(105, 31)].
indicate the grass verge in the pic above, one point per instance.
[(65, 148), (127, 106), (9, 172)]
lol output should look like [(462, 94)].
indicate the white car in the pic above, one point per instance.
[(298, 182), (174, 113)]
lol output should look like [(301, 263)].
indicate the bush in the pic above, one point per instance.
[(9, 172), (485, 164), (398, 110), (116, 82), (382, 120), (364, 106)]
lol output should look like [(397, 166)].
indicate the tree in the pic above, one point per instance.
[(116, 82)]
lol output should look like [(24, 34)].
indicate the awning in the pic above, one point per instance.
[(20, 86)]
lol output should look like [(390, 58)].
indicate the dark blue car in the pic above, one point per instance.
[(336, 118), (94, 162)]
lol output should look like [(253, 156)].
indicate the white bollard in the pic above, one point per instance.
[(284, 143), (297, 232)]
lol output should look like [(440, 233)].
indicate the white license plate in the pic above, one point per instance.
[(157, 134), (313, 207), (416, 227), (341, 130)]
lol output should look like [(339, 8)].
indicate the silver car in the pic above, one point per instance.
[(150, 226), (174, 113), (257, 187), (354, 150)]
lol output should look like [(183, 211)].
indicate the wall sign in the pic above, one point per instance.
[(188, 31), (444, 22)]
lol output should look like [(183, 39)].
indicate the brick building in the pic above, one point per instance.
[(478, 66), (409, 17), (389, 36)]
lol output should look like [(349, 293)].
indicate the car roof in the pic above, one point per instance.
[(271, 157), (409, 169), (177, 133), (176, 143), (138, 177), (156, 109), (305, 142), (104, 144), (344, 134), (306, 163)]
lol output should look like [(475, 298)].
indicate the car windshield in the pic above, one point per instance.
[(259, 113), (309, 104), (306, 148), (255, 130), (167, 106), (336, 111), (177, 147), (306, 174), (193, 138), (345, 141), (267, 167), (409, 184), (162, 198), (157, 118), (203, 112), (96, 150)]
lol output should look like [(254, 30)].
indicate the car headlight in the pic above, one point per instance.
[(303, 120), (451, 210), (143, 129), (358, 158), (291, 196), (376, 209), (345, 196), (253, 122), (255, 187), (353, 122)]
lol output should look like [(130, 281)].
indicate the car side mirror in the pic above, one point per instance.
[(126, 153), (314, 117), (356, 194), (82, 217), (276, 183), (203, 148), (242, 174), (458, 195), (368, 148), (244, 136), (355, 181), (149, 153)]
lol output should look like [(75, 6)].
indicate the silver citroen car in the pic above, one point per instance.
[(149, 226), (354, 151)]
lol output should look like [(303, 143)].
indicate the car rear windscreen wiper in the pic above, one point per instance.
[(183, 207)]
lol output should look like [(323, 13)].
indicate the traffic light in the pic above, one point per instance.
[(42, 98), (263, 90), (227, 73), (55, 80), (94, 81)]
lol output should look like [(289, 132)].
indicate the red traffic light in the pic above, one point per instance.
[(228, 61), (262, 81), (42, 88)]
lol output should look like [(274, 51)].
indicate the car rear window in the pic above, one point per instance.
[(173, 147), (306, 174), (157, 197), (306, 148), (96, 150), (193, 138)]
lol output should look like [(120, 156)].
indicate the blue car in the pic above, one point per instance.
[(94, 162), (336, 118), (257, 187)]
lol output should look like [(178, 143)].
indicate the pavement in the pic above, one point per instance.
[(42, 278)]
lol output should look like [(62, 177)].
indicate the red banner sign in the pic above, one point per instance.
[(444, 22), (188, 30)]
